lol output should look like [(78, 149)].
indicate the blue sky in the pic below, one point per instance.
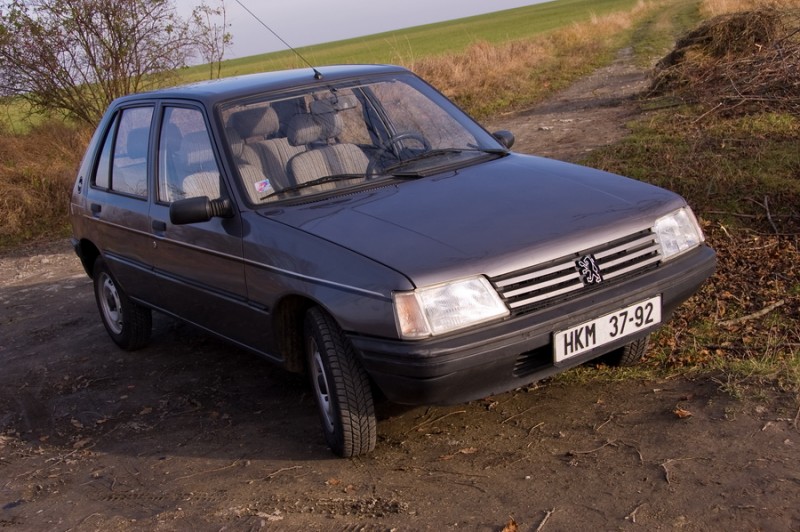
[(304, 22)]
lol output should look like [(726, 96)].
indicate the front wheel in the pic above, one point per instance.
[(127, 323), (341, 387), (628, 355)]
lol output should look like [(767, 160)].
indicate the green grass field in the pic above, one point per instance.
[(407, 45)]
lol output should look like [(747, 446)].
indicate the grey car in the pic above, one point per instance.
[(353, 224)]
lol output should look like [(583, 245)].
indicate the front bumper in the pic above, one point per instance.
[(515, 352)]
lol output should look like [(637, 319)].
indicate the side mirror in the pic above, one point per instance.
[(506, 138), (200, 209)]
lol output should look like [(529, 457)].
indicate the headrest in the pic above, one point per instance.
[(235, 141), (137, 142), (307, 128), (196, 150), (333, 103), (254, 122)]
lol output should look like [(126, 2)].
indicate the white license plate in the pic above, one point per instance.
[(607, 328)]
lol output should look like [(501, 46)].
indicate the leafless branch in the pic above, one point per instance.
[(429, 422), (755, 315), (546, 517)]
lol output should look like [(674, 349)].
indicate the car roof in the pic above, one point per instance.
[(214, 91)]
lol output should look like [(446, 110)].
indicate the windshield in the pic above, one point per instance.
[(331, 139)]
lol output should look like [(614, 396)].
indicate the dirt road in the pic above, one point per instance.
[(190, 433)]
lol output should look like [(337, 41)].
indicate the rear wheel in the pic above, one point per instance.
[(628, 355), (341, 387), (128, 323)]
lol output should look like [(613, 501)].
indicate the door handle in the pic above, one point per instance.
[(158, 225), (96, 208)]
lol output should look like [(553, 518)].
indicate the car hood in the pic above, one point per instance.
[(490, 218)]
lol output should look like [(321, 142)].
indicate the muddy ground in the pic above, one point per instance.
[(190, 433)]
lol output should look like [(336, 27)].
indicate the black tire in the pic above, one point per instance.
[(628, 355), (341, 387), (126, 322)]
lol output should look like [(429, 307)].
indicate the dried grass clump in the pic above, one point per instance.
[(740, 62), (37, 170), (486, 78), (713, 8)]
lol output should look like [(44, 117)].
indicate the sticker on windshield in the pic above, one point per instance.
[(263, 187)]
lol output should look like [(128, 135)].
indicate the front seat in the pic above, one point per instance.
[(324, 157)]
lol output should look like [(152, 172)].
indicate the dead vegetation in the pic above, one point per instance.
[(732, 153), (37, 170), (488, 78), (737, 63), (745, 319)]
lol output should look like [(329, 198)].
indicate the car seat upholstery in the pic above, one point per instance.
[(256, 127), (170, 182), (322, 158), (130, 170), (197, 162)]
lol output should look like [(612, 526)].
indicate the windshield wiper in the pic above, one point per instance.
[(421, 156), (436, 153), (315, 182)]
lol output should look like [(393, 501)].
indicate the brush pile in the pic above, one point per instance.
[(737, 63)]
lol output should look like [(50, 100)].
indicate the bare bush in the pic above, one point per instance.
[(75, 56), (211, 35), (737, 63)]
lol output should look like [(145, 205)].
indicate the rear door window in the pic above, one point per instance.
[(122, 166)]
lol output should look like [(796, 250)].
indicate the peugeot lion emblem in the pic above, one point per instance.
[(589, 270)]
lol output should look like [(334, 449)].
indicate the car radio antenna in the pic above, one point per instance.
[(317, 73)]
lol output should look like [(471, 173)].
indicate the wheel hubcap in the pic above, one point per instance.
[(110, 304), (321, 386)]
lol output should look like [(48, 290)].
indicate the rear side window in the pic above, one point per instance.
[(187, 167), (122, 166)]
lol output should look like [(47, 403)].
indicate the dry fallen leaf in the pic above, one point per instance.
[(80, 444), (682, 413), (511, 526)]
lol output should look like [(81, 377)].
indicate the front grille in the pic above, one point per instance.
[(536, 287)]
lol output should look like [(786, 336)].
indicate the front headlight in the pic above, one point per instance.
[(678, 232), (446, 307)]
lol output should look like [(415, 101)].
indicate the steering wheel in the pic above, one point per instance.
[(400, 137), (386, 148)]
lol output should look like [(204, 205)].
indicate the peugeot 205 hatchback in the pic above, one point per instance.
[(357, 226)]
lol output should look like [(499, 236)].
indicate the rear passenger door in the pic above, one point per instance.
[(199, 266), (119, 196)]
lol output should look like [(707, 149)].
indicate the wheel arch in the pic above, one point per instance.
[(88, 254), (288, 324)]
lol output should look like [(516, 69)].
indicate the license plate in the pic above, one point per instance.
[(607, 328)]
